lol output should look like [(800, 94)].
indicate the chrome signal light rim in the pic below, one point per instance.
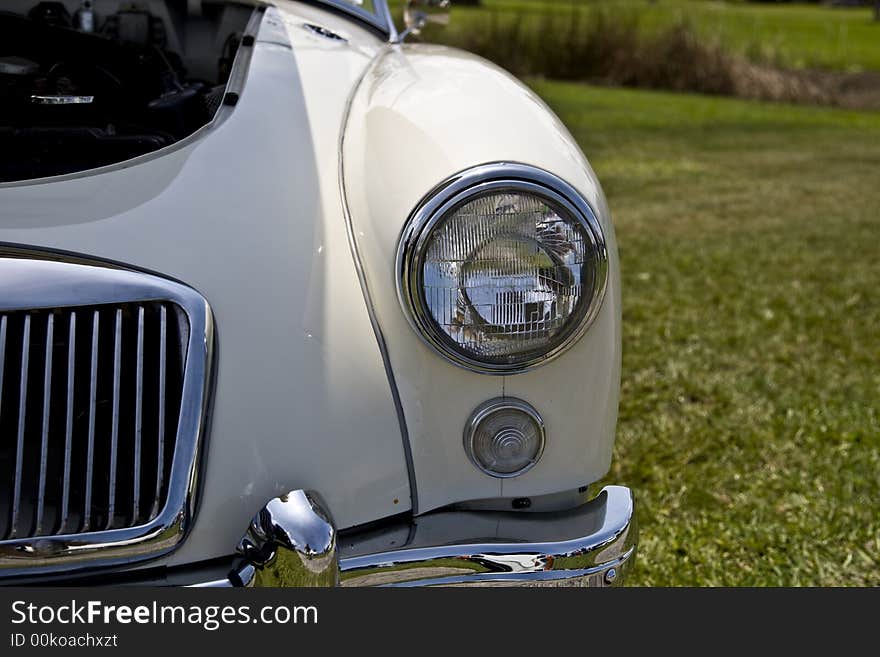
[(458, 190), (488, 408)]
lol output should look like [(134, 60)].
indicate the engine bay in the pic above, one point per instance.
[(88, 83)]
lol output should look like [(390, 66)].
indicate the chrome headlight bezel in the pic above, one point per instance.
[(453, 193)]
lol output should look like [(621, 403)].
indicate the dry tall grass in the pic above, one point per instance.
[(611, 48)]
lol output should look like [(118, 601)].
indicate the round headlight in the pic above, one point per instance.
[(503, 268)]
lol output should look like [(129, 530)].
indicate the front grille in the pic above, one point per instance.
[(90, 401), (104, 383)]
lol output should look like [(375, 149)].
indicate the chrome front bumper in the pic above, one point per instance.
[(292, 542)]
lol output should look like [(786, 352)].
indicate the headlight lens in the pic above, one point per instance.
[(500, 275)]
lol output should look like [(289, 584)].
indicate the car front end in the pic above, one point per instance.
[(358, 325)]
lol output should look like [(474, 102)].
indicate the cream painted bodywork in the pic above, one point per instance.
[(423, 113), (252, 215)]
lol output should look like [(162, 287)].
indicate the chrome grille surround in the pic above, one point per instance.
[(39, 284)]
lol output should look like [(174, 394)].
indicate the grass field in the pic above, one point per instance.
[(749, 238), (750, 416), (801, 36)]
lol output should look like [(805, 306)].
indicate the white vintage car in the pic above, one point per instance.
[(287, 301)]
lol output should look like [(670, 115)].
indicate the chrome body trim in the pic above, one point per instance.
[(62, 100), (600, 551), (457, 190), (30, 282), (591, 545), (368, 300), (384, 12), (379, 19), (482, 412), (415, 20), (290, 542), (324, 32)]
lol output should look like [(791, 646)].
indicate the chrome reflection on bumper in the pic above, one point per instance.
[(292, 542), (591, 545)]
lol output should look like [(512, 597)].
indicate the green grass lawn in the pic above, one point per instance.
[(802, 36), (750, 416)]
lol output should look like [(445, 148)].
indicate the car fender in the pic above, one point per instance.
[(421, 114)]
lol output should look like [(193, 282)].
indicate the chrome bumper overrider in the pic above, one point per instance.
[(292, 542)]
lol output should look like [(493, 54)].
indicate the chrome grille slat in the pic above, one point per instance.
[(68, 423), (160, 438), (22, 406), (114, 431), (138, 414), (93, 392), (3, 322), (44, 438)]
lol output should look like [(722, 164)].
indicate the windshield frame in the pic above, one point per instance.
[(379, 19)]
